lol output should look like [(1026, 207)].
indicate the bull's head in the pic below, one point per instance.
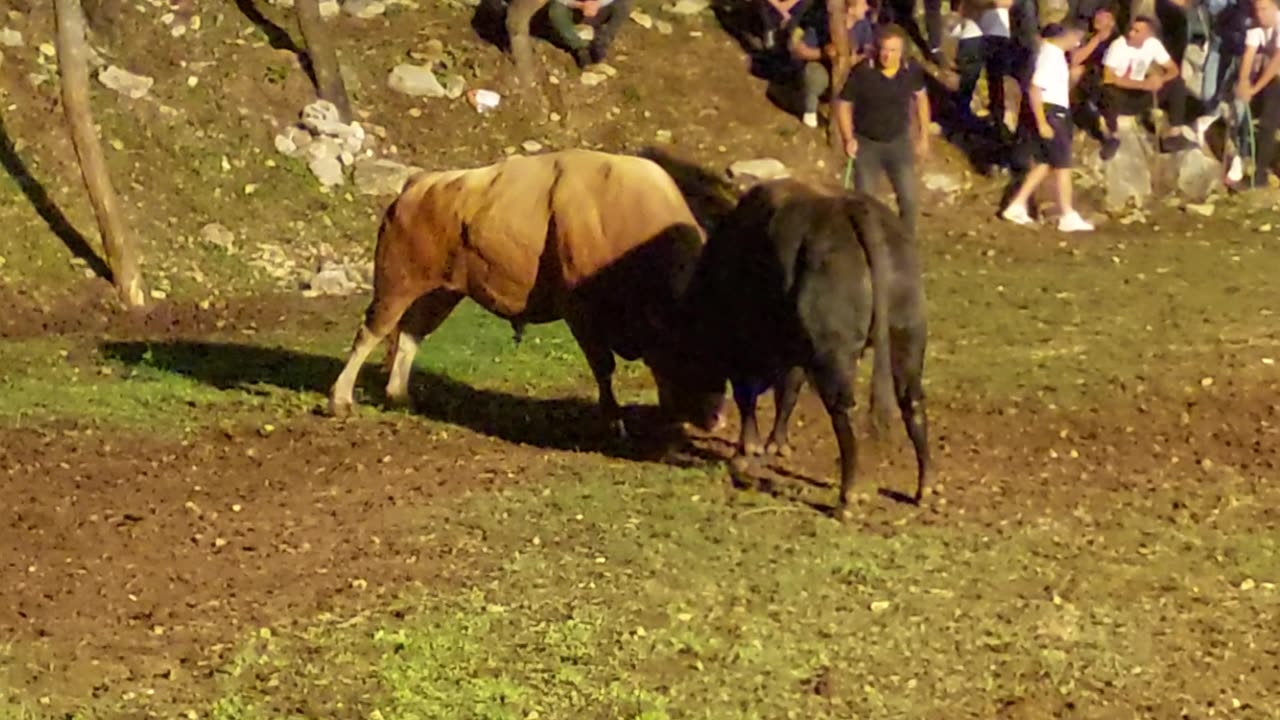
[(689, 388)]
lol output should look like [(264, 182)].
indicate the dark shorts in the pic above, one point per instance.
[(1055, 151)]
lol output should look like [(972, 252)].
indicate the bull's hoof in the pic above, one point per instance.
[(618, 429), (399, 401), (783, 450), (340, 410), (751, 449)]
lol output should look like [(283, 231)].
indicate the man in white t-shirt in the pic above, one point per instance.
[(1259, 84), (1137, 73)]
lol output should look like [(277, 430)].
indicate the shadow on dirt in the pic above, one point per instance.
[(566, 423)]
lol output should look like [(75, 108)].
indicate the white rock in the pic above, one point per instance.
[(1199, 174), (454, 86), (328, 170), (323, 148), (333, 279), (415, 80), (218, 236), (942, 182), (641, 19), (381, 176), (762, 168), (11, 38), (321, 117), (1204, 210), (605, 69), (329, 9), (591, 79), (687, 7), (664, 27), (364, 9), (125, 82), (292, 141), (586, 32), (1128, 175), (346, 158), (531, 146)]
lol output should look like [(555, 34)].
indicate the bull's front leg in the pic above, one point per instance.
[(600, 359), (745, 395)]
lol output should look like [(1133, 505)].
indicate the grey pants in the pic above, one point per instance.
[(815, 80), (897, 159)]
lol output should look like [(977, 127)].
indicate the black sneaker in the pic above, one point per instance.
[(582, 56), (1109, 148), (1176, 143), (597, 53)]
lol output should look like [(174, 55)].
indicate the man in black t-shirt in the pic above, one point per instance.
[(874, 116)]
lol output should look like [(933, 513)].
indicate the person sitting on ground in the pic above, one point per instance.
[(1050, 140), (970, 57), (1136, 69), (811, 45), (873, 113), (1259, 84), (778, 15), (605, 16)]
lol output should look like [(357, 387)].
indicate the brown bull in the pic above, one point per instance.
[(604, 242)]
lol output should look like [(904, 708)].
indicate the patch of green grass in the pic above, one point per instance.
[(623, 591)]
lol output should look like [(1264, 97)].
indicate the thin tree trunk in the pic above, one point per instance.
[(839, 68), (519, 15), (73, 65), (324, 59)]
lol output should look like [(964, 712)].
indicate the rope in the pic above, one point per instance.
[(848, 173)]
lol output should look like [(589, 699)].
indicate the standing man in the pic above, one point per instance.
[(1259, 69), (874, 116)]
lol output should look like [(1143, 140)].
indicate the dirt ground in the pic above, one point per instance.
[(133, 560)]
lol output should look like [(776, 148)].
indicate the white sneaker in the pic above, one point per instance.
[(1235, 173), (1017, 214), (811, 119), (1202, 127), (1072, 222)]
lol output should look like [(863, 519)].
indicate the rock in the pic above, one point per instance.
[(586, 32), (641, 19), (329, 9), (454, 86), (663, 27), (381, 176), (605, 69), (292, 141), (1128, 175), (328, 170), (48, 50), (321, 118), (1204, 210), (432, 52), (11, 38), (591, 79), (415, 80), (364, 9), (687, 7), (531, 146), (333, 279), (942, 182), (218, 236), (125, 82), (1199, 175), (762, 168)]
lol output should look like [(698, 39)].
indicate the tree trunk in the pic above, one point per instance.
[(839, 68), (324, 59), (73, 65), (519, 15)]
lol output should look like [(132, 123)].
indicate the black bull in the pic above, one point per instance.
[(798, 282)]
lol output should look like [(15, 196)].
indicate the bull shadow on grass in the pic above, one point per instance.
[(563, 423)]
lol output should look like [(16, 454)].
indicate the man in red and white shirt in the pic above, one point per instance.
[(1258, 84), (1137, 73)]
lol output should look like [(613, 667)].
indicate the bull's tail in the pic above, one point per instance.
[(870, 230)]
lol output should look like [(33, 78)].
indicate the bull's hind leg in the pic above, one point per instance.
[(381, 318), (785, 395), (422, 318), (600, 359), (908, 371), (830, 375)]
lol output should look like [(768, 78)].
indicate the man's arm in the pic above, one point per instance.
[(1109, 77), (922, 117), (844, 120), (1268, 73), (1244, 89), (800, 50)]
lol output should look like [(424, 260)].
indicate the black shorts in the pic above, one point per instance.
[(1055, 151)]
